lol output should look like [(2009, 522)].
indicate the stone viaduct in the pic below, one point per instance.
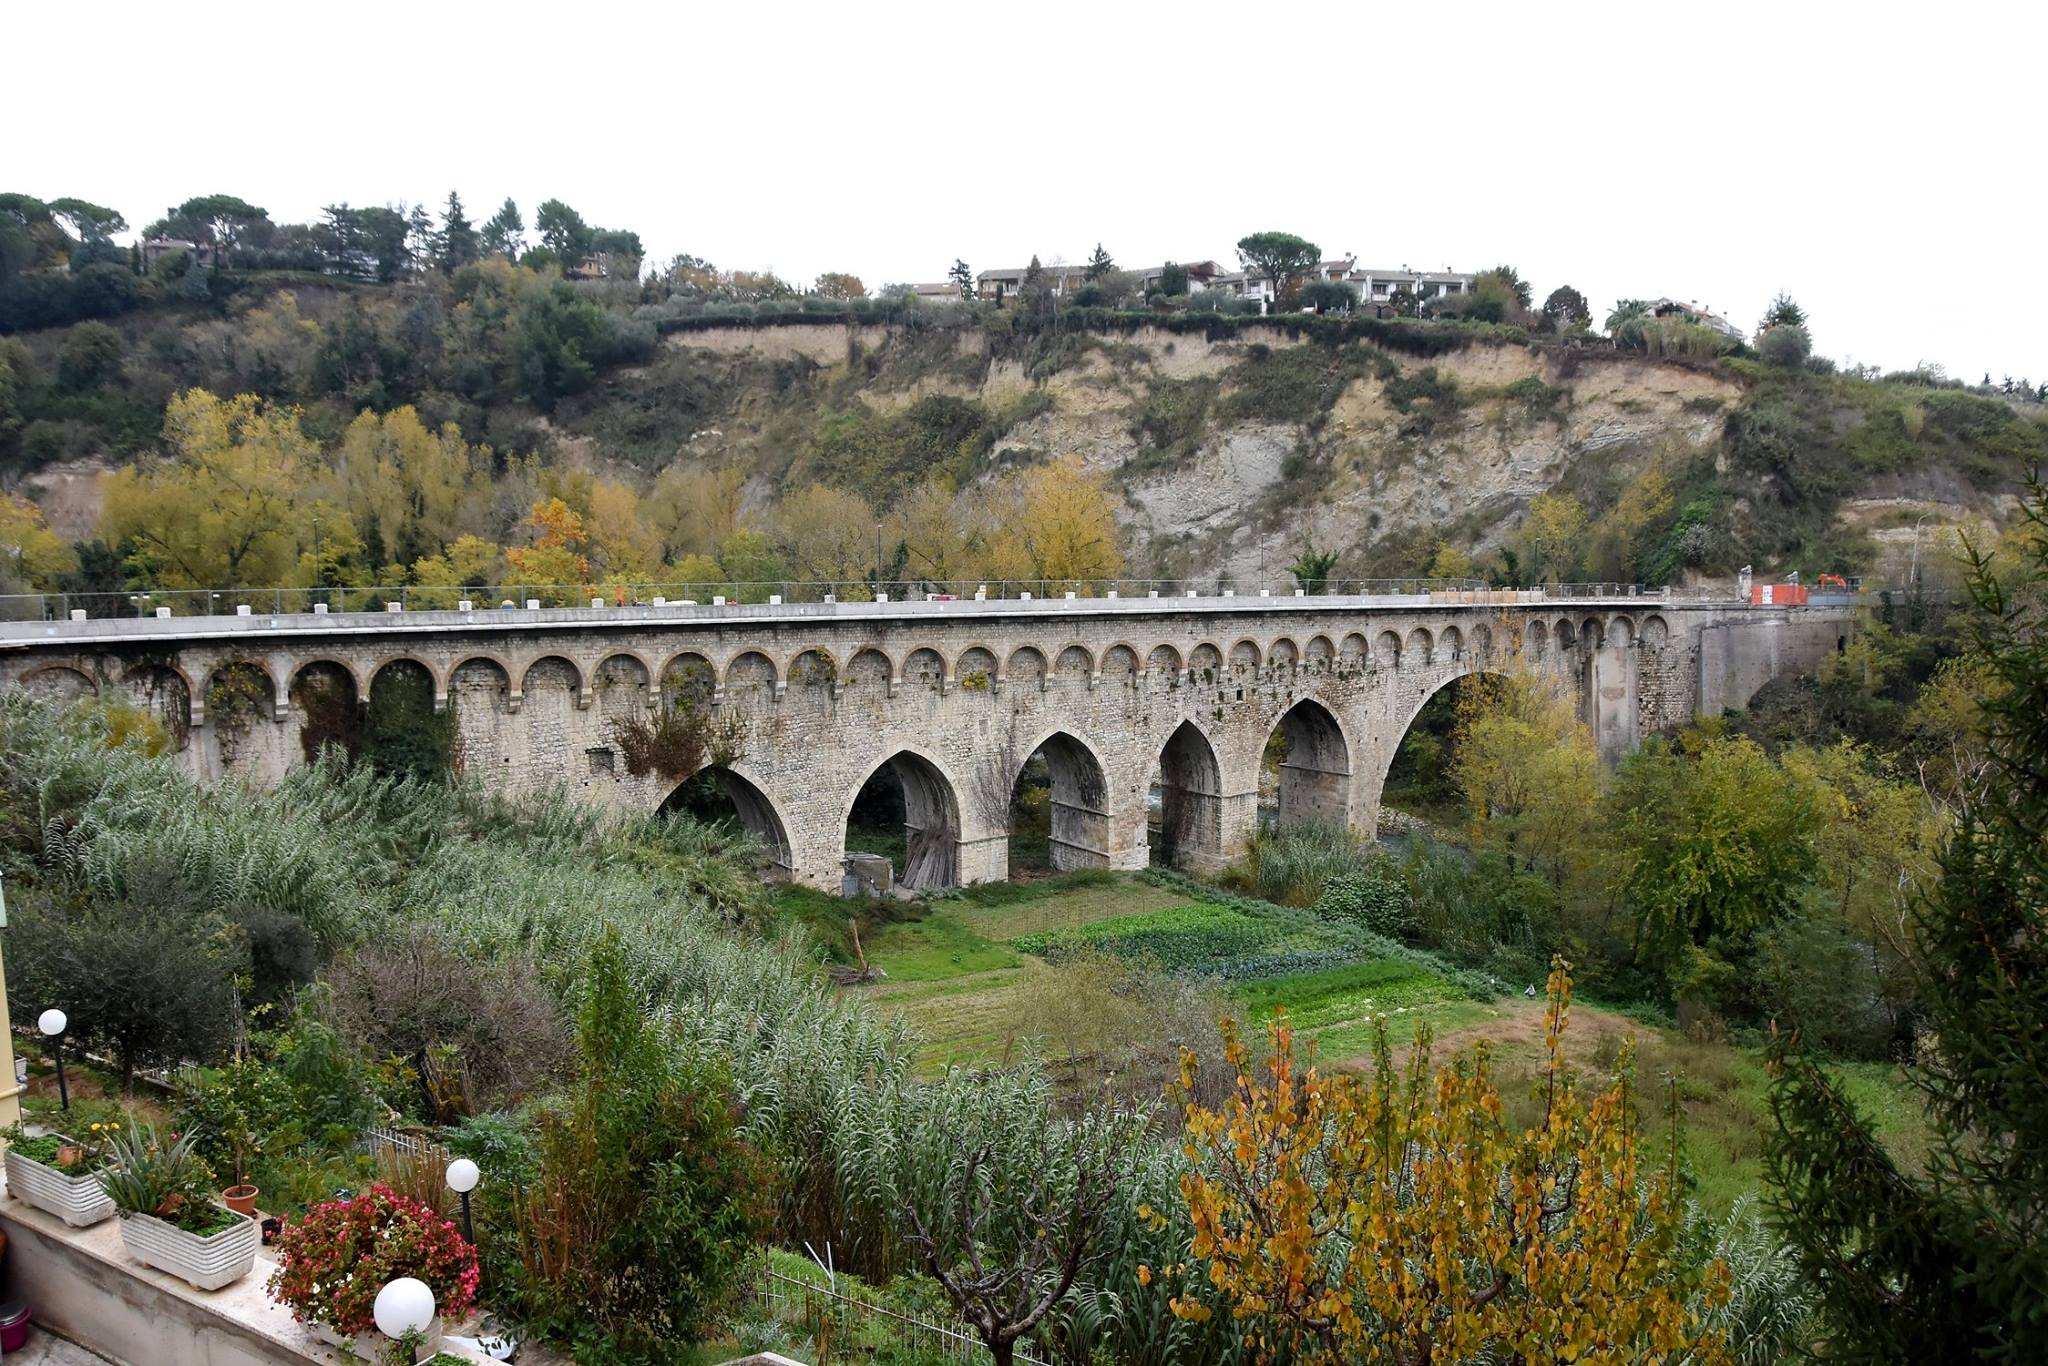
[(954, 697)]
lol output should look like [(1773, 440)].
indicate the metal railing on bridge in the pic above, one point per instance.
[(182, 602)]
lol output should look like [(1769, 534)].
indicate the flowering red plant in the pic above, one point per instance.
[(332, 1263)]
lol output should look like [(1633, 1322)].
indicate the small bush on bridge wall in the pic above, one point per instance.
[(679, 739)]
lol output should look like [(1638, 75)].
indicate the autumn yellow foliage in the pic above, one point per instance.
[(1399, 1218)]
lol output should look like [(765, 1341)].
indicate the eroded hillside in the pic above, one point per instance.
[(1232, 454)]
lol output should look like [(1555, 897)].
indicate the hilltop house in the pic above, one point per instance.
[(156, 249), (1260, 288), (1064, 279), (1201, 275), (1061, 280), (1694, 313), (1380, 286)]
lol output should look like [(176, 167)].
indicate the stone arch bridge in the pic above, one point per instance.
[(953, 697)]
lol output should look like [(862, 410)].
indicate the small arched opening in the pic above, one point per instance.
[(1059, 810), (238, 695), (402, 734), (908, 813), (1185, 807), (323, 693)]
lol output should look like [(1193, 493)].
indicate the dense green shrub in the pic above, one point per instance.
[(1377, 902), (645, 1198), (1814, 976), (1786, 346), (144, 979), (1427, 399)]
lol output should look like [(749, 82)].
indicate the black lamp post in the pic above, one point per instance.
[(52, 1023), (462, 1178)]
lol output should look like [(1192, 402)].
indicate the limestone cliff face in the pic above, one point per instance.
[(1357, 473)]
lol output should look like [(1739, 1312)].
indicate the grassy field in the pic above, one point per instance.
[(989, 972)]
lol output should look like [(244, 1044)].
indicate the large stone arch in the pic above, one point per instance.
[(931, 817), (1315, 774), (1377, 757), (756, 810), (1190, 800), (1080, 833)]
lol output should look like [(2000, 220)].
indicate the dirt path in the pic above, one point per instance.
[(1514, 1032)]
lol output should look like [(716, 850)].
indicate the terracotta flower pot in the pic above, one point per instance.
[(241, 1199)]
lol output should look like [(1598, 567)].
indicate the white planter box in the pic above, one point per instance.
[(368, 1346), (208, 1263), (79, 1201)]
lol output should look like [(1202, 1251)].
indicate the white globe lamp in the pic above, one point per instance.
[(52, 1023), (405, 1305), (462, 1178)]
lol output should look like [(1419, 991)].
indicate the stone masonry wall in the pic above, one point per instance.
[(959, 701)]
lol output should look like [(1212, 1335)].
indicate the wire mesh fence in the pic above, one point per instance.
[(231, 602), (842, 1327)]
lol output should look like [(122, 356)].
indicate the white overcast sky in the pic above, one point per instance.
[(1882, 163)]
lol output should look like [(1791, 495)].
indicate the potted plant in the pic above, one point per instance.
[(60, 1176), (160, 1187), (236, 1112), (332, 1263)]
